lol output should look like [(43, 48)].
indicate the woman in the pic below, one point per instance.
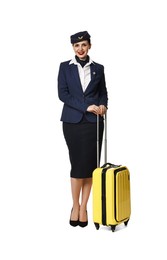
[(82, 89)]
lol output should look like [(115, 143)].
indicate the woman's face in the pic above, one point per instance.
[(81, 49)]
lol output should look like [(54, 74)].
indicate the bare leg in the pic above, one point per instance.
[(76, 185), (86, 188)]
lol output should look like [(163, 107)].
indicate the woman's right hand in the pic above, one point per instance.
[(94, 109)]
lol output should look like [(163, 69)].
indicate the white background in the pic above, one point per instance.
[(129, 38)]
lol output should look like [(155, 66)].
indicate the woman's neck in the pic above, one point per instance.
[(82, 62)]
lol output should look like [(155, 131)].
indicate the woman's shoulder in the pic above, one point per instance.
[(98, 65), (64, 63)]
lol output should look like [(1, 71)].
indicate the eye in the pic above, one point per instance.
[(76, 45)]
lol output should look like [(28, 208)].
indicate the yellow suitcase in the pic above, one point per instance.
[(111, 192), (111, 195)]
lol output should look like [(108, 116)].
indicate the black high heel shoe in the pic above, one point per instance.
[(83, 223), (73, 223)]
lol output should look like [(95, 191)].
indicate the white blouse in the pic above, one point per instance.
[(84, 73)]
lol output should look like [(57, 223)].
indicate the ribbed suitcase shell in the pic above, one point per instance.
[(111, 196)]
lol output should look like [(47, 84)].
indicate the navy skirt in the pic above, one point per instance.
[(81, 140)]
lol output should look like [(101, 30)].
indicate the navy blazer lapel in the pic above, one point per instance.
[(93, 73), (75, 72)]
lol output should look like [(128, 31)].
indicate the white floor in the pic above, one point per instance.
[(35, 223)]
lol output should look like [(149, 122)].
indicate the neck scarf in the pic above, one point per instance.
[(82, 62)]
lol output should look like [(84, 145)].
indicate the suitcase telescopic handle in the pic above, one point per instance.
[(105, 140)]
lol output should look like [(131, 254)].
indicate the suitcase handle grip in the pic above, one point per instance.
[(111, 165)]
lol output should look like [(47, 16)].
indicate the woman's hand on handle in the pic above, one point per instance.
[(94, 109), (97, 110), (103, 110)]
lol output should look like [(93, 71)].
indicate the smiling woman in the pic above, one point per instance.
[(82, 89), (81, 49)]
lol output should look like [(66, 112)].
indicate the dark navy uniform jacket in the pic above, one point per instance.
[(71, 93)]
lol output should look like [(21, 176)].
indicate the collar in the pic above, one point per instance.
[(73, 61)]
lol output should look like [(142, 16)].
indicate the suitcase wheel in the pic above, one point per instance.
[(113, 228), (97, 225), (126, 222)]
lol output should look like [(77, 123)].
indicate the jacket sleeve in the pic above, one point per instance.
[(64, 94), (103, 94)]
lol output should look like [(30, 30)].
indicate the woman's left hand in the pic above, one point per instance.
[(102, 110)]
